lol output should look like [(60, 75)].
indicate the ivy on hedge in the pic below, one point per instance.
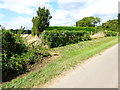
[(61, 38)]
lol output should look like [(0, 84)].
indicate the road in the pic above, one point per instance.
[(100, 71)]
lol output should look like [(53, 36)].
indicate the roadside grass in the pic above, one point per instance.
[(69, 56)]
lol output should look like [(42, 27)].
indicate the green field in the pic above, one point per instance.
[(69, 56)]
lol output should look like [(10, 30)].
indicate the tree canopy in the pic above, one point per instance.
[(111, 25), (88, 22), (41, 21)]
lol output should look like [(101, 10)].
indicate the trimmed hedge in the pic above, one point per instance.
[(58, 28), (90, 29), (110, 33), (61, 38)]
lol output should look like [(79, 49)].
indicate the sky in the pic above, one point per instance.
[(17, 13)]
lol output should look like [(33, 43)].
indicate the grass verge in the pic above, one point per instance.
[(70, 56)]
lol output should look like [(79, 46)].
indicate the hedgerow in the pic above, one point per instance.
[(61, 38), (90, 29), (58, 28)]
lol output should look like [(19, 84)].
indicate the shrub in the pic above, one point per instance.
[(12, 47), (11, 44), (61, 38), (15, 55), (18, 64), (110, 33), (11, 67)]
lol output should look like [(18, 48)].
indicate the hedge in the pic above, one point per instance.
[(61, 38), (18, 64), (90, 29), (16, 57)]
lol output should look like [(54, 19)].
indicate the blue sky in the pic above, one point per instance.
[(16, 13)]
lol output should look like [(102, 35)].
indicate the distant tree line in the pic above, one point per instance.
[(88, 22)]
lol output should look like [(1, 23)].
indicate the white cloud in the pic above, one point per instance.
[(17, 22), (69, 10), (105, 18), (1, 15), (98, 6), (73, 10), (22, 6), (61, 18)]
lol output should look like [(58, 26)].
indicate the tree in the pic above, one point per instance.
[(88, 22), (41, 21), (111, 25)]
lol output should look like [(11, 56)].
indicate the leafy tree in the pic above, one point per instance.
[(88, 22), (41, 21), (111, 25)]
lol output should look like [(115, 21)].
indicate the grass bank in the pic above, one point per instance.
[(69, 56)]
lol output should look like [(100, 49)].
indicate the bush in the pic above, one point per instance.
[(18, 64), (110, 33), (11, 67), (61, 38), (15, 55), (11, 44), (12, 47)]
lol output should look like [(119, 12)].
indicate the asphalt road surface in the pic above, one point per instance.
[(100, 71)]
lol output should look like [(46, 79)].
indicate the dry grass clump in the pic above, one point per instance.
[(98, 35)]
